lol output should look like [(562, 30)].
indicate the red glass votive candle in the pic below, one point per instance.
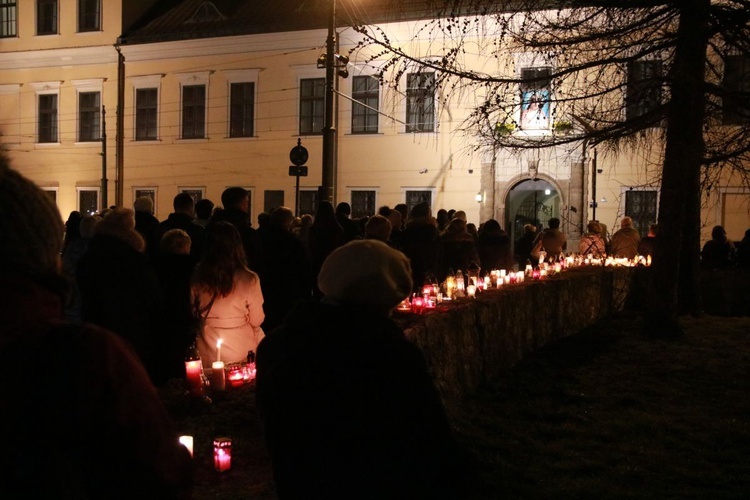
[(222, 454)]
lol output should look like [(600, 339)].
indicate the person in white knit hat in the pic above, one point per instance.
[(348, 406), (79, 417)]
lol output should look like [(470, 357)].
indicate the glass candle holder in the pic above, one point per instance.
[(222, 454)]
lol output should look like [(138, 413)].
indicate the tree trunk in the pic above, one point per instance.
[(675, 264)]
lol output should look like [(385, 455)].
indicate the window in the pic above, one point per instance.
[(641, 207), (89, 117), (736, 86), (420, 102), (196, 193), (145, 191), (146, 114), (643, 94), (193, 111), (308, 202), (416, 197), (536, 90), (365, 90), (89, 15), (7, 18), (241, 109), (311, 105), (46, 17), (272, 199), (363, 204), (51, 194), (47, 127), (88, 200)]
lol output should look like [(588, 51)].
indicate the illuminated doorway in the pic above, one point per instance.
[(532, 201)]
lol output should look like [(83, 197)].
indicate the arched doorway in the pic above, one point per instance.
[(531, 201)]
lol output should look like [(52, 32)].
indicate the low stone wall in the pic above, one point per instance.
[(472, 341)]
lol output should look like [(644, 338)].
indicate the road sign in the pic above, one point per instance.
[(300, 171)]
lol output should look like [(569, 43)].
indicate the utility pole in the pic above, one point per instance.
[(325, 191), (105, 204)]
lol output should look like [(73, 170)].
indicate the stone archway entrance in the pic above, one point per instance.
[(531, 201)]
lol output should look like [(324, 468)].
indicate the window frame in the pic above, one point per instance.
[(88, 189), (307, 122), (643, 92), (52, 27), (639, 223), (95, 113), (308, 197), (365, 104), (418, 189), (88, 19), (8, 19), (194, 81), (144, 83), (736, 89), (421, 102), (243, 111), (52, 114)]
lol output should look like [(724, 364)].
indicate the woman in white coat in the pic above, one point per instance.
[(228, 295)]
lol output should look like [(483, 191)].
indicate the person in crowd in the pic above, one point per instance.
[(263, 220), (394, 217), (419, 241), (146, 224), (442, 219), (493, 247), (403, 209), (72, 228), (625, 241), (80, 418), (554, 241), (236, 201), (456, 249), (471, 228), (119, 287), (228, 295), (344, 356), (204, 208), (384, 210), (525, 244), (303, 231), (343, 217), (378, 228), (291, 276), (72, 253), (459, 214), (719, 251), (648, 244), (174, 269), (183, 218), (325, 235), (743, 251), (592, 241)]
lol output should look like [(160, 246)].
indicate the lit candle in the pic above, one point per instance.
[(187, 442), (471, 291), (417, 303), (222, 454), (218, 350), (218, 381), (236, 376), (193, 374)]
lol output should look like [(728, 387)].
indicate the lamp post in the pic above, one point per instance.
[(325, 191)]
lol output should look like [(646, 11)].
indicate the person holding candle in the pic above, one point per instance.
[(80, 418), (348, 406), (228, 295)]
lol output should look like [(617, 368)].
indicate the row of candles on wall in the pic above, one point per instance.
[(234, 374), (222, 451), (460, 285)]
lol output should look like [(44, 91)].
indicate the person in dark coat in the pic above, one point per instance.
[(146, 224), (119, 288), (236, 201), (456, 249), (80, 418), (72, 253), (290, 275), (351, 227), (419, 241), (493, 246), (719, 251), (324, 237), (183, 218), (525, 244), (648, 244), (348, 407), (743, 251)]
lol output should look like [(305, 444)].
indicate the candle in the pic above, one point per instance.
[(218, 350), (236, 376), (417, 303), (218, 381), (222, 454), (193, 374), (471, 290), (187, 442)]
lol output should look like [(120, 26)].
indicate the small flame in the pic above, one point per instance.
[(218, 344)]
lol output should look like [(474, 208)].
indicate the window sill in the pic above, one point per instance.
[(146, 141), (241, 138), (88, 143), (364, 134), (47, 144), (192, 139)]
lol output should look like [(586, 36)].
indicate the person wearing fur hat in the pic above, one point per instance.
[(80, 418), (119, 287), (348, 407)]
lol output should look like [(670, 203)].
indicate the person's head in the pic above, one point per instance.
[(324, 215), (378, 228), (144, 204), (344, 209), (88, 224), (204, 208), (223, 255), (403, 209), (175, 241), (384, 210), (236, 197), (31, 228), (119, 223), (394, 217), (718, 233), (305, 221), (471, 228), (529, 228), (263, 219), (554, 223), (594, 227), (183, 203), (281, 218), (420, 210), (491, 226), (367, 274), (456, 226), (442, 217), (460, 215), (626, 222)]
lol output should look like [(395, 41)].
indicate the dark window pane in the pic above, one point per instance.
[(311, 106), (46, 17), (242, 109), (641, 207), (365, 90), (48, 118), (363, 204), (89, 15), (420, 102), (8, 17), (272, 199), (643, 93), (416, 197), (88, 201), (308, 202), (89, 117), (193, 112), (736, 87), (145, 114)]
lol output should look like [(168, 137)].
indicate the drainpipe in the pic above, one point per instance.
[(120, 129)]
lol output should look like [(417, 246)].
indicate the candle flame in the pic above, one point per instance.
[(218, 344)]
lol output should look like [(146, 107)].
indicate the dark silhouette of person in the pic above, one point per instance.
[(456, 249), (183, 218), (325, 235), (351, 227), (493, 246), (236, 211), (419, 241), (719, 251)]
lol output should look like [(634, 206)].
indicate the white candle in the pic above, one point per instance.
[(187, 442), (218, 350), (218, 382)]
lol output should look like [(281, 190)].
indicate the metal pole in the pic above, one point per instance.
[(296, 196), (326, 188), (593, 186), (105, 204)]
